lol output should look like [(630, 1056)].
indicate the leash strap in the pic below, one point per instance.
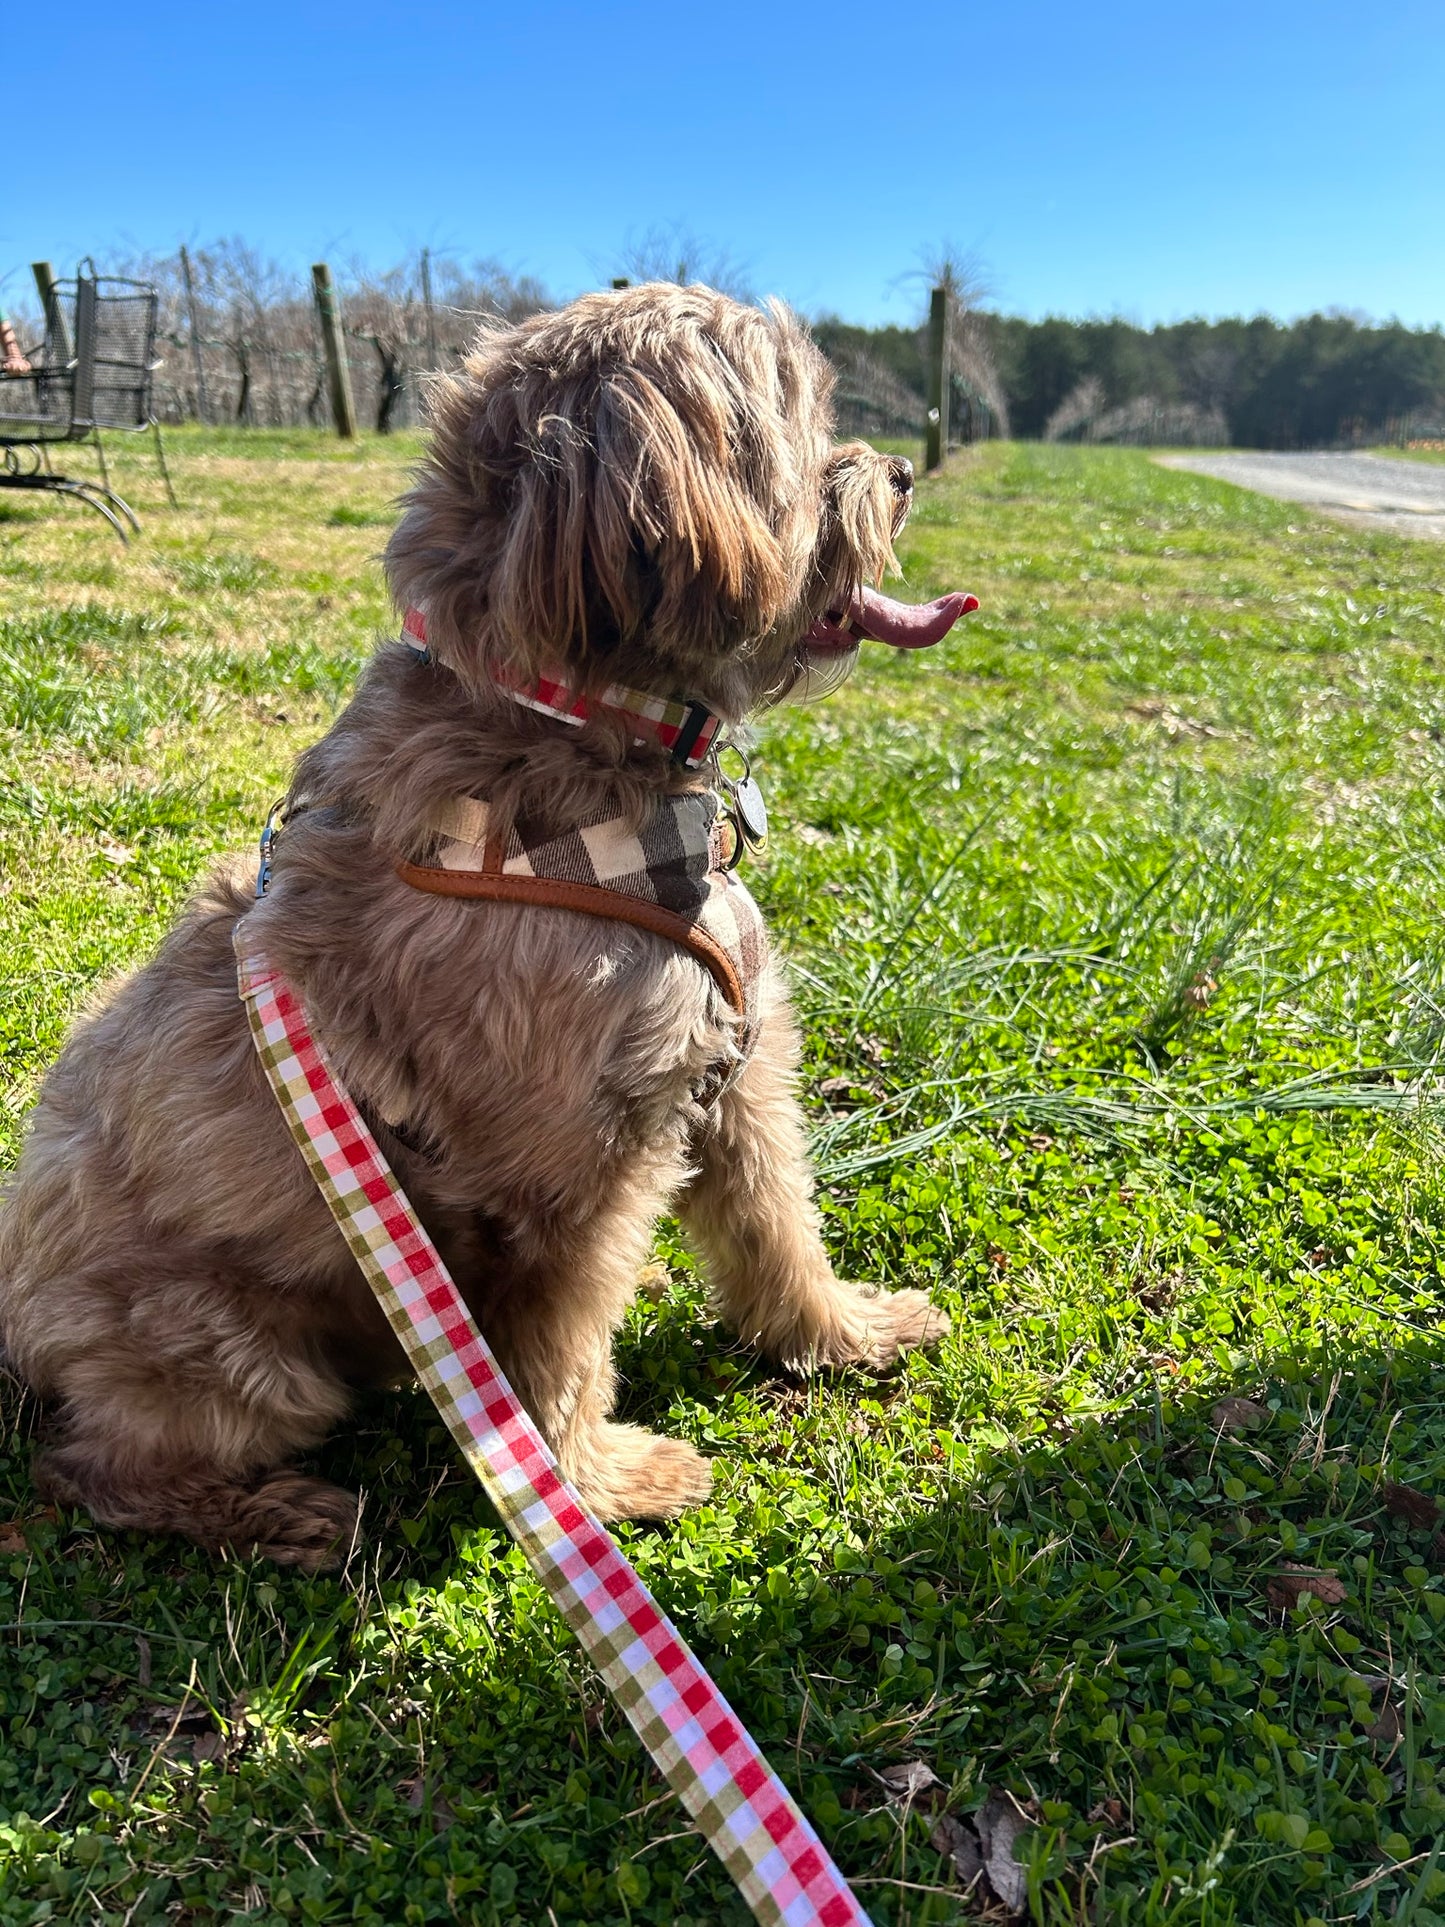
[(781, 1868)]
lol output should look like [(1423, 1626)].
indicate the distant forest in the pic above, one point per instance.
[(1326, 380)]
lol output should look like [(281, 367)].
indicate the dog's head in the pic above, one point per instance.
[(642, 488)]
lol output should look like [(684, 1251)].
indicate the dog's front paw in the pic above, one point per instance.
[(631, 1473), (868, 1327), (900, 1321)]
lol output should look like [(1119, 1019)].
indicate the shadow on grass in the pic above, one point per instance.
[(1094, 1621)]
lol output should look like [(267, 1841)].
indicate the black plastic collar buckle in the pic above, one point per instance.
[(698, 718)]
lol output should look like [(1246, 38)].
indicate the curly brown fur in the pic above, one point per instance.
[(643, 487)]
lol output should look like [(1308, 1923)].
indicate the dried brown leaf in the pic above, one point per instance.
[(187, 1720), (653, 1281), (1388, 1727), (907, 1779), (1289, 1586), (982, 1852), (415, 1792), (1415, 1508), (1238, 1415), (1108, 1813), (1000, 1822), (1198, 993), (960, 1843), (13, 1531)]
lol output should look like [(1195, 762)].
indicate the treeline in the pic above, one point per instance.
[(1322, 381)]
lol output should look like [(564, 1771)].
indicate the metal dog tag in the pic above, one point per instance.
[(752, 812)]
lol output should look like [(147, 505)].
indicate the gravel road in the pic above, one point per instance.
[(1369, 490)]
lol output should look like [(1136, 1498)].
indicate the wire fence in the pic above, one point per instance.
[(240, 339), (241, 342)]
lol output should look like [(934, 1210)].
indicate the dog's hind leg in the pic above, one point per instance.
[(293, 1520), (182, 1417), (751, 1214)]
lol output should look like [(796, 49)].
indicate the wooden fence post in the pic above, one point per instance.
[(203, 406), (338, 372), (937, 438), (54, 314)]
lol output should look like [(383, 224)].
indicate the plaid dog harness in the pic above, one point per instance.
[(671, 877), (674, 876)]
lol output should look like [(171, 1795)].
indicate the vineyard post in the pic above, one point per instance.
[(54, 313), (937, 440), (338, 373), (203, 406)]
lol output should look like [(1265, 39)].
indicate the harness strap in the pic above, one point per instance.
[(496, 885), (781, 1868)]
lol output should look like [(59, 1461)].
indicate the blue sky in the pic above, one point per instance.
[(1149, 160)]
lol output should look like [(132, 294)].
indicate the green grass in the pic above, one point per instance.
[(1116, 926), (1412, 454)]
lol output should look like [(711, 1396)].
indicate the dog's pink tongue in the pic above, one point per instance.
[(908, 625), (902, 625)]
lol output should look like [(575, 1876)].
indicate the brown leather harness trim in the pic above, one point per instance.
[(498, 886)]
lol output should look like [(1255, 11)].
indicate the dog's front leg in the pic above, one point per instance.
[(751, 1214), (552, 1326)]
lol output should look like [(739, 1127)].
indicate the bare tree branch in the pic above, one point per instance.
[(673, 252)]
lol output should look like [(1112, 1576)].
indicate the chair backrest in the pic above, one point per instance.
[(115, 341), (96, 367), (39, 406)]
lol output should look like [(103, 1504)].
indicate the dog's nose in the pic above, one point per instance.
[(902, 474)]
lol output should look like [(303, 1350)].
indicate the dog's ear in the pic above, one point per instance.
[(616, 486), (649, 514), (863, 507)]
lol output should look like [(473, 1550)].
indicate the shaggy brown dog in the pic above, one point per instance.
[(642, 490)]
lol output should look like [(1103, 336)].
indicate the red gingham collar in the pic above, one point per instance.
[(687, 729)]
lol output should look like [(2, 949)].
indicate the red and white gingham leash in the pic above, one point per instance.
[(749, 1819)]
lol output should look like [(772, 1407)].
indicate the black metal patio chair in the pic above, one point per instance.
[(93, 371)]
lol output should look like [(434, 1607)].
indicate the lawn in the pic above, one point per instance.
[(1434, 453), (1116, 928)]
